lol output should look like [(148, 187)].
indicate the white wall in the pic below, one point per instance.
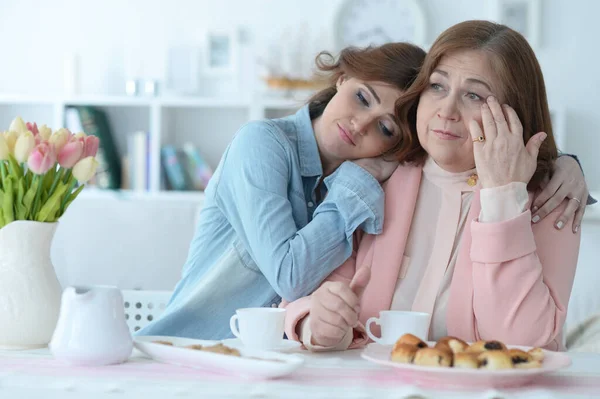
[(116, 38)]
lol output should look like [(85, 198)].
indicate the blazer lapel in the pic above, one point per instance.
[(384, 255)]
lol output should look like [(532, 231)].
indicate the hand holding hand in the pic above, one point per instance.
[(335, 307)]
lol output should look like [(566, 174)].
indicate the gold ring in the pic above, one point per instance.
[(576, 199), (480, 139)]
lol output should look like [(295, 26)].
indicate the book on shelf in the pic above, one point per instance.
[(138, 160), (171, 161), (198, 171), (93, 121), (185, 168)]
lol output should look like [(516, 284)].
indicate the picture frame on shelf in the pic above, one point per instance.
[(220, 52), (183, 69), (524, 16)]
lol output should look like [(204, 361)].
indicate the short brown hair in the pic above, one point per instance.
[(516, 66)]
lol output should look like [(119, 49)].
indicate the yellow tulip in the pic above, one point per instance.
[(24, 146), (11, 139), (18, 125), (45, 132), (4, 151), (59, 139), (85, 169)]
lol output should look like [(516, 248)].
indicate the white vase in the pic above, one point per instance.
[(29, 290)]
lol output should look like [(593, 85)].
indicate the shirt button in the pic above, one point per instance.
[(310, 204), (274, 305)]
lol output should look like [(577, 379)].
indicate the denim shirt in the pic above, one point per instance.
[(262, 235)]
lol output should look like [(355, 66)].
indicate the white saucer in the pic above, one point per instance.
[(286, 345)]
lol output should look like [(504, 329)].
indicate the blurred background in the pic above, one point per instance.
[(166, 84)]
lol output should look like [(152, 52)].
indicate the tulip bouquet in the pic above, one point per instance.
[(42, 172)]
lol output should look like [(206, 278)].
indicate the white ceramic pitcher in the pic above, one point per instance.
[(91, 329)]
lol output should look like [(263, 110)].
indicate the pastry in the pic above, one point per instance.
[(457, 345), (443, 346), (537, 354), (465, 360), (495, 360), (433, 357), (163, 343), (534, 364), (195, 347), (518, 356), (403, 353), (482, 346), (411, 340), (222, 349)]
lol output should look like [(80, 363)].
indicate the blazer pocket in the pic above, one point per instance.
[(404, 266)]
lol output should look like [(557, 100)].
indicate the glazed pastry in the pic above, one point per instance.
[(537, 354), (495, 360), (163, 343), (433, 357), (222, 349), (411, 340), (403, 353), (195, 347), (465, 360), (457, 345), (483, 346), (518, 356), (443, 346)]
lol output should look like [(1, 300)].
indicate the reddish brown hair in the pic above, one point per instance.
[(396, 64), (519, 72)]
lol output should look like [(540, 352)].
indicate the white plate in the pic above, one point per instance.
[(465, 378), (286, 345), (268, 364)]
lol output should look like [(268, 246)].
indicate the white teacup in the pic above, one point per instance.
[(259, 328), (395, 323)]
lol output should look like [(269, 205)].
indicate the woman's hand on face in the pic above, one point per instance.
[(334, 308), (567, 182), (502, 157), (380, 168)]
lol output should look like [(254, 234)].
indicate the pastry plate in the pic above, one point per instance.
[(465, 378), (251, 363), (286, 345)]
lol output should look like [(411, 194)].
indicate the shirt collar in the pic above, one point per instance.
[(308, 151), (449, 180)]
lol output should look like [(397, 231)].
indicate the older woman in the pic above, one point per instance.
[(458, 241)]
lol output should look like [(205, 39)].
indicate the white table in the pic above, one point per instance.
[(34, 374)]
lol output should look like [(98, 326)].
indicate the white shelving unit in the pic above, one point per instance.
[(209, 123)]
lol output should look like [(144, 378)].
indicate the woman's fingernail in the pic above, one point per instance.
[(560, 224), (536, 219), (576, 229), (484, 106), (491, 99), (535, 209), (543, 136)]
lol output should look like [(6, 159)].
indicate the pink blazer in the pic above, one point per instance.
[(512, 280)]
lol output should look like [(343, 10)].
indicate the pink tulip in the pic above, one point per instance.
[(42, 158), (91, 146), (70, 154), (32, 127)]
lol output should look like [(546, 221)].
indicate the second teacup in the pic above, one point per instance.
[(259, 328), (396, 323)]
